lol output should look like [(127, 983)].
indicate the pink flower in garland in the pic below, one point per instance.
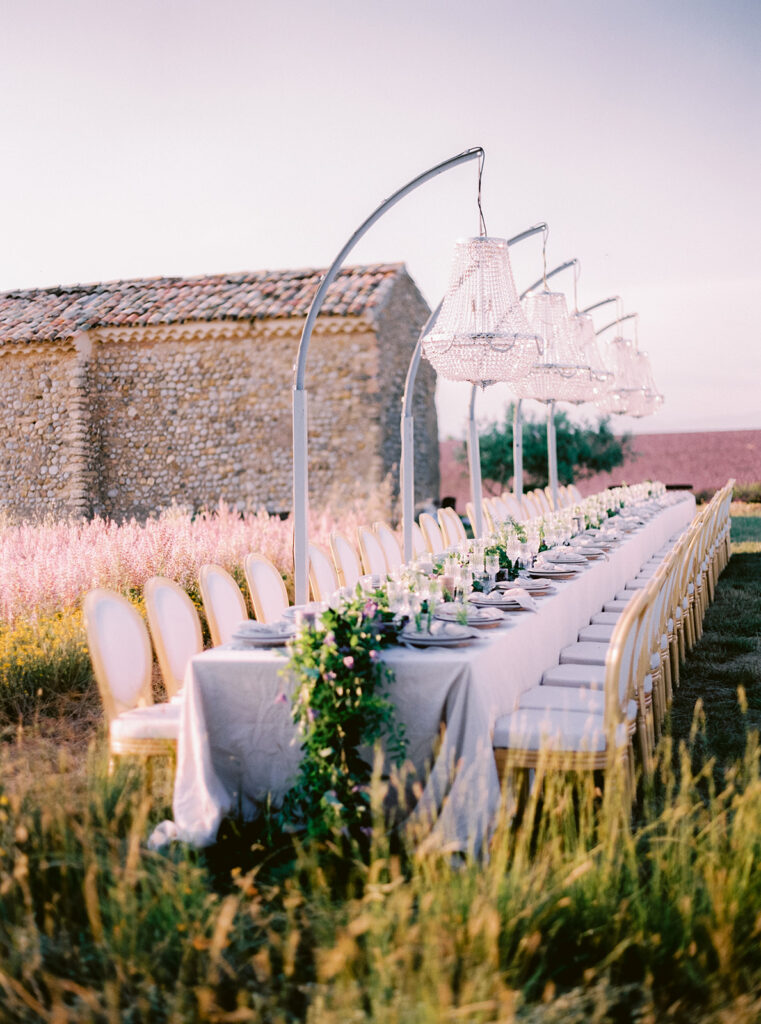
[(349, 661)]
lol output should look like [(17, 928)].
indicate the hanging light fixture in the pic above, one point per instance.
[(481, 334), (600, 376), (559, 374)]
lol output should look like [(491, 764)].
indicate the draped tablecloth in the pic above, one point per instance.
[(238, 745)]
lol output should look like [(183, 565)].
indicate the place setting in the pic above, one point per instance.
[(252, 634)]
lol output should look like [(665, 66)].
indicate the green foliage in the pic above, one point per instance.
[(340, 706), (582, 450)]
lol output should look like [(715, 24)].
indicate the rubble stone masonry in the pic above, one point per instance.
[(124, 421)]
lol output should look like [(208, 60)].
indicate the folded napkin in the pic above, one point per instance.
[(523, 598)]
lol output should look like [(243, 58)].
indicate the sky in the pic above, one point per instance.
[(182, 137)]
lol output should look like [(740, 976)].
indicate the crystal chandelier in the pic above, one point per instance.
[(481, 334), (560, 373), (600, 376)]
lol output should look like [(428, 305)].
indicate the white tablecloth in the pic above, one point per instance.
[(238, 746)]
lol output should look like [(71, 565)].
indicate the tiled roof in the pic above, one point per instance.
[(54, 314)]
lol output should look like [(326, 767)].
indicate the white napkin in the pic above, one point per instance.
[(523, 598)]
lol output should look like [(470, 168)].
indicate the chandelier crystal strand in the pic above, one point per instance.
[(481, 334), (601, 377), (560, 373)]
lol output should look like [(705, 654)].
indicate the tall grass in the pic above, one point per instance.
[(571, 909)]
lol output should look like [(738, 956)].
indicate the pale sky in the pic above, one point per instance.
[(180, 137)]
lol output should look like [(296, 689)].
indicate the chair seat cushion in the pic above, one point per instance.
[(606, 618), (636, 584), (569, 698), (590, 676), (584, 654), (158, 722), (596, 633), (624, 595), (559, 731), (616, 606)]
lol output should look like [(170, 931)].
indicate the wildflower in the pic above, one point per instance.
[(281, 699), (349, 661), (371, 607), (330, 676)]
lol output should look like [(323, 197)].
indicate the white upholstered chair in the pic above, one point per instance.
[(122, 661), (223, 602), (346, 560), (323, 578), (419, 546), (175, 629), (265, 584), (432, 533), (451, 527), (373, 556), (390, 545)]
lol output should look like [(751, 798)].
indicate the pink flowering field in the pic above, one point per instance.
[(47, 568)]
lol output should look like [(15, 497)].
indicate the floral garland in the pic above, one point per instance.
[(340, 706)]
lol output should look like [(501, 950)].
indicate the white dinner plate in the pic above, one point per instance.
[(260, 634), (442, 634), (566, 573), (565, 558), (497, 599), (530, 585), (477, 616)]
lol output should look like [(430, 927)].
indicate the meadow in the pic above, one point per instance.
[(576, 914)]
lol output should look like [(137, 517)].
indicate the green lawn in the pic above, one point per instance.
[(746, 532)]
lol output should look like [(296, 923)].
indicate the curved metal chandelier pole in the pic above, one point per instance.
[(618, 320), (473, 447), (300, 478), (408, 439)]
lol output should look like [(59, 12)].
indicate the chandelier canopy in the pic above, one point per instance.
[(481, 334), (560, 373)]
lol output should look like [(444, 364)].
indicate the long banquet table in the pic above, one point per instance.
[(238, 745)]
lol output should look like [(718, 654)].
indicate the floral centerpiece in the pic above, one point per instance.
[(341, 707)]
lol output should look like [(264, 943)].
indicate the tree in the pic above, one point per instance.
[(583, 449)]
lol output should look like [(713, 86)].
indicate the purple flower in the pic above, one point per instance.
[(374, 655), (312, 715), (371, 607), (330, 676), (349, 661), (330, 638), (366, 830), (281, 699)]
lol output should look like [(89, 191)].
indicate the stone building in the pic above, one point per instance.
[(122, 397)]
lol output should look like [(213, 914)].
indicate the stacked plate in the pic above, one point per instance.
[(498, 599), (535, 587), (565, 557), (553, 572), (263, 634), (441, 634), (477, 616)]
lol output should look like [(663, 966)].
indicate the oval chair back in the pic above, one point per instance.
[(120, 651), (432, 533), (451, 526), (265, 584), (175, 629), (223, 603), (390, 545), (323, 579), (419, 546), (346, 560), (373, 557)]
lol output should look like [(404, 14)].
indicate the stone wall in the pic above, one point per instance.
[(125, 421), (41, 442)]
